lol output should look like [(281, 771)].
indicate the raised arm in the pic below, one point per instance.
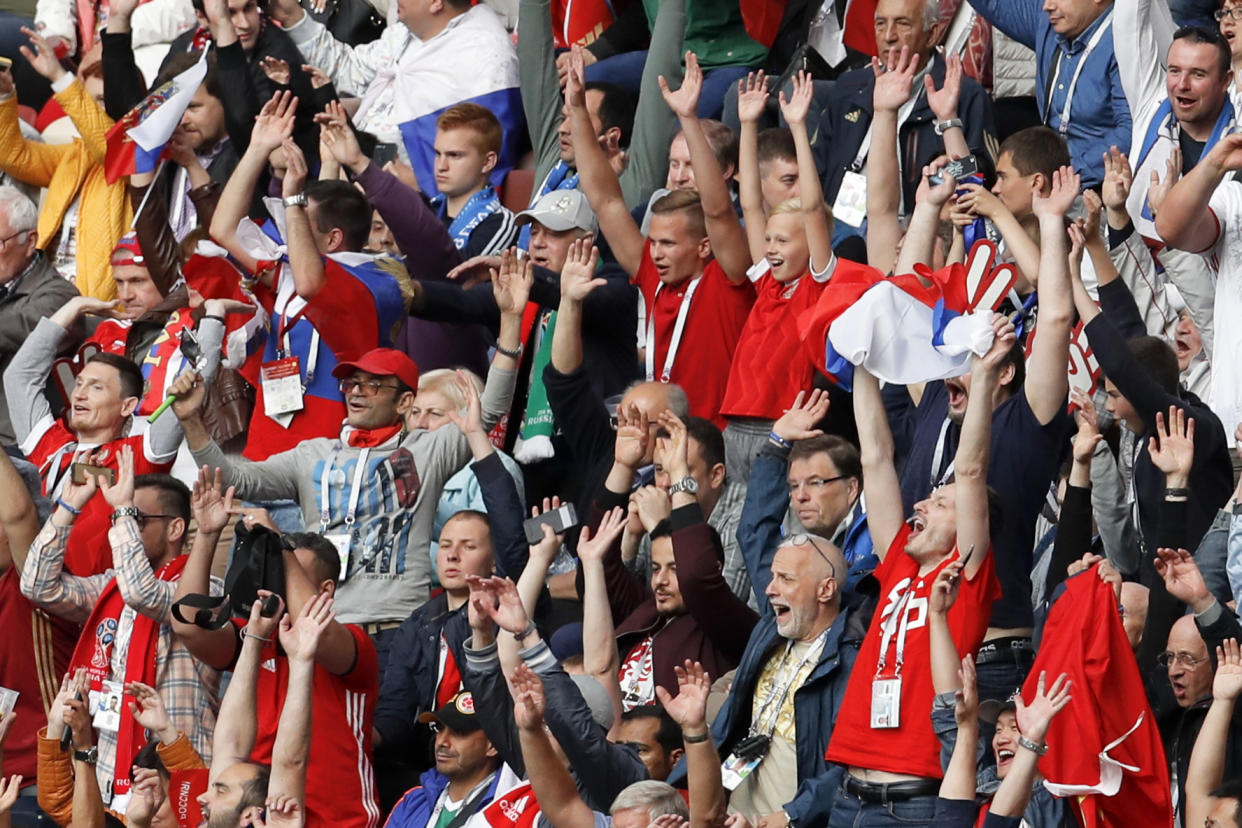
[(305, 262), (1207, 760), (138, 584), (892, 89), (1184, 220), (943, 103), (810, 191), (752, 99), (920, 242), (959, 776), (599, 637), (881, 486), (554, 787), (577, 281), (237, 721), (597, 178), (723, 228), (1033, 720), (688, 708), (271, 128), (970, 464), (1047, 380)]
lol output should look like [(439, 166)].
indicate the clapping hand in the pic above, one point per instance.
[(1159, 187), (1088, 435), (277, 70), (1118, 179)]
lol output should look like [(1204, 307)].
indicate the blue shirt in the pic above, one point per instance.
[(1099, 113)]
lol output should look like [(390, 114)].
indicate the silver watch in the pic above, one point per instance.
[(942, 127), (687, 484), (298, 200)]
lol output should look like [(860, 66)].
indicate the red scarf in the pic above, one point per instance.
[(516, 809), (372, 437), (450, 676), (94, 652)]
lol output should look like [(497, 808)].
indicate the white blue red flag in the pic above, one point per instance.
[(136, 142)]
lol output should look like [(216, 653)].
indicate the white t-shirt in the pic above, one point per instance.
[(1226, 259)]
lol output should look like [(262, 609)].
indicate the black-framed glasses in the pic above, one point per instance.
[(815, 484), (369, 388), (803, 539), (5, 241), (142, 517), (1184, 659), (1235, 13)]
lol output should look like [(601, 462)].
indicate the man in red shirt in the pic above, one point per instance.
[(340, 786), (883, 735), (696, 303)]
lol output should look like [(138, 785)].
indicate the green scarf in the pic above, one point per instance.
[(534, 440)]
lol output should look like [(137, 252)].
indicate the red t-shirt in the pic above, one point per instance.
[(717, 314), (913, 747), (340, 783), (35, 649), (53, 448), (770, 367)]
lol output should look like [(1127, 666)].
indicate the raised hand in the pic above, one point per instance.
[(1033, 719), (147, 795), (1159, 187), (653, 506), (277, 70), (511, 283), (478, 610), (685, 101), (633, 436), (1118, 179), (798, 421), (274, 123), (529, 702), (578, 274), (893, 79), (9, 789), (1003, 338), (283, 811), (189, 391), (966, 709), (1172, 449), (296, 170), (1227, 684), (795, 108), (120, 493), (935, 194), (261, 626), (70, 686), (506, 610), (472, 420), (1226, 154), (1182, 578), (752, 97), (562, 64), (1066, 185), (1088, 435), (545, 551), (943, 101), (77, 719), (343, 144), (318, 78), (689, 707), (43, 57), (1091, 209), (78, 495), (593, 547), (945, 588), (575, 78), (300, 638), (676, 446), (148, 710)]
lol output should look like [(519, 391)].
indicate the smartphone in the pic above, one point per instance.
[(66, 738), (81, 470), (959, 169), (383, 154), (970, 553), (566, 517)]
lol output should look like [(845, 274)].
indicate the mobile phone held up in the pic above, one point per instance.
[(959, 169), (565, 517), (81, 470)]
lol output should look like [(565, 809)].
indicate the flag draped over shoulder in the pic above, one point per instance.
[(136, 142), (1104, 749)]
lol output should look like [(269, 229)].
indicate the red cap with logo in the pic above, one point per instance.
[(382, 362), (127, 251)]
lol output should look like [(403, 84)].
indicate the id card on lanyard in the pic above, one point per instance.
[(679, 330), (1063, 126), (283, 388), (886, 692), (342, 539)]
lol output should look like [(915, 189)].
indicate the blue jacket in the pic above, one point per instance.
[(415, 808), (1100, 116)]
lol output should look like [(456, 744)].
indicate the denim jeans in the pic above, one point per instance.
[(999, 679), (848, 811)]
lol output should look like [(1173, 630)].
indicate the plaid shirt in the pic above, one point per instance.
[(189, 688)]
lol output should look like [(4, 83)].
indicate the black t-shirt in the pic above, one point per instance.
[(1024, 459), (1191, 150)]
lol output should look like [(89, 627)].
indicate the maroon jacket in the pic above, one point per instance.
[(716, 625)]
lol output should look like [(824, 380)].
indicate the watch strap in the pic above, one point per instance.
[(124, 512), (90, 756), (943, 126)]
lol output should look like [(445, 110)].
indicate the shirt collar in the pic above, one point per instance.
[(8, 289), (1073, 47)]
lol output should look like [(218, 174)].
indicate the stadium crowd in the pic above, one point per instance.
[(660, 414)]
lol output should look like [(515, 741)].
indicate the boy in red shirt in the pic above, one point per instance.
[(883, 734)]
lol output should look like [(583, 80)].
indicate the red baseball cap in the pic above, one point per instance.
[(127, 251), (382, 362)]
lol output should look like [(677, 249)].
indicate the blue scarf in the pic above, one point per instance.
[(481, 205), (1161, 120)]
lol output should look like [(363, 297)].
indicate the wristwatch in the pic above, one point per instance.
[(124, 512), (90, 756), (943, 126), (687, 484), (299, 200)]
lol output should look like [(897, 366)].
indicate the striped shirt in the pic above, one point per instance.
[(189, 688)]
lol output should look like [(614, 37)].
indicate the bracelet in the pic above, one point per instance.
[(60, 501), (219, 319), (245, 634), (1176, 492), (516, 353), (694, 740), (530, 628), (1031, 746), (124, 512), (779, 440)]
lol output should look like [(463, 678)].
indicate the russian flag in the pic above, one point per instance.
[(136, 142), (476, 65)]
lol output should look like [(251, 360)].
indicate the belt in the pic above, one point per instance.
[(886, 792), (373, 627), (1010, 649)]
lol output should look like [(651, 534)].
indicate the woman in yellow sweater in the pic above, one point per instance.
[(79, 199)]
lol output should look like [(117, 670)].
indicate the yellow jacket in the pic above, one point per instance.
[(68, 169)]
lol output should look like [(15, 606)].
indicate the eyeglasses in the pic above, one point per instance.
[(141, 518), (369, 388), (5, 241), (815, 484), (1235, 13), (809, 540), (1184, 659)]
